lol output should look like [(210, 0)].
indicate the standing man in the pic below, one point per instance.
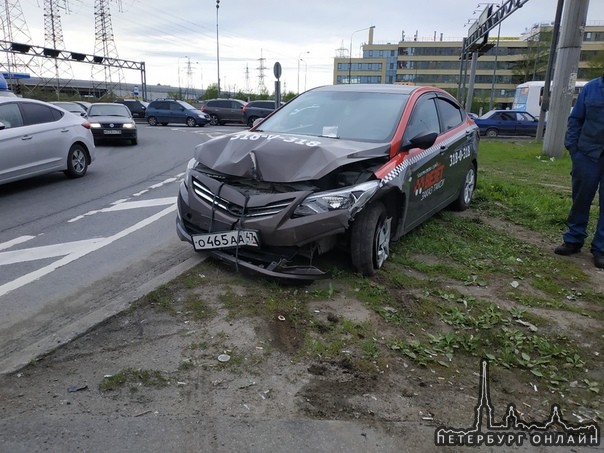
[(585, 143)]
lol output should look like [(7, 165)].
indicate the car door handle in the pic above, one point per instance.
[(64, 130), (27, 137)]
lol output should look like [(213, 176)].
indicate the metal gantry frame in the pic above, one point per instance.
[(14, 48), (476, 42)]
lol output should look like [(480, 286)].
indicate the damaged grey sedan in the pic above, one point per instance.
[(343, 166)]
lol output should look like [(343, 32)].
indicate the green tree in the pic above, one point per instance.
[(533, 63), (211, 92), (595, 66)]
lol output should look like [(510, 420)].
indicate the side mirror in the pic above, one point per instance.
[(422, 141)]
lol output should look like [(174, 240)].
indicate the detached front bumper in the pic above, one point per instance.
[(282, 238), (279, 267)]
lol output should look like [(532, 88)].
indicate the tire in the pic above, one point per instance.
[(77, 161), (250, 121), (492, 133), (191, 122), (134, 141), (214, 120), (466, 192), (370, 239), (152, 121)]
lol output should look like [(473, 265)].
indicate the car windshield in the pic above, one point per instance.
[(363, 116), (108, 110), (186, 105)]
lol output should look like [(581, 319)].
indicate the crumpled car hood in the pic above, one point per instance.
[(277, 157)]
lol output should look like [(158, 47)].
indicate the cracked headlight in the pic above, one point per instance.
[(350, 198)]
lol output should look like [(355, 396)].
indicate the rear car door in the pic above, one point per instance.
[(455, 147), (526, 124)]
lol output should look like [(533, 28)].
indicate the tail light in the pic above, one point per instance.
[(203, 108), (244, 108), (86, 124)]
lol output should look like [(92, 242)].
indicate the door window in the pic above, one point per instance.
[(450, 114), (38, 114), (10, 115), (424, 119)]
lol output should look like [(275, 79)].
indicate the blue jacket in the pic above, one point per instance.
[(585, 132)]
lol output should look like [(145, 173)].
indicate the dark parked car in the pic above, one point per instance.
[(137, 108), (38, 138), (507, 122), (166, 111), (224, 111), (72, 107), (111, 121), (321, 172), (257, 109)]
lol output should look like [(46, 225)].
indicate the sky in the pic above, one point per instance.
[(178, 40)]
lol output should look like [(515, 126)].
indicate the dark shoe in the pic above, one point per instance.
[(599, 261), (568, 249)]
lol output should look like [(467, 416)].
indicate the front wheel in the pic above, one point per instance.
[(152, 121), (492, 133), (466, 191), (370, 239), (77, 162), (191, 122), (214, 120)]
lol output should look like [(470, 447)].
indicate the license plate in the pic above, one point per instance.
[(225, 239), (112, 132)]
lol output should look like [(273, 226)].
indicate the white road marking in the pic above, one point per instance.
[(122, 205), (45, 251), (19, 240), (80, 252)]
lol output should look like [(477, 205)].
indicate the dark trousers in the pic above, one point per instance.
[(587, 177)]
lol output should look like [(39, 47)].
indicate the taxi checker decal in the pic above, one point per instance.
[(396, 171)]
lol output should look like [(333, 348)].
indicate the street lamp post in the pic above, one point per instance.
[(350, 51), (300, 59), (305, 72), (179, 78), (217, 48)]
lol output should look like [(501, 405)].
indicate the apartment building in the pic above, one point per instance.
[(509, 62)]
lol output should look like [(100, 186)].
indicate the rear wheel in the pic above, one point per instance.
[(214, 120), (370, 239), (492, 132), (467, 191), (152, 121), (191, 122), (77, 161)]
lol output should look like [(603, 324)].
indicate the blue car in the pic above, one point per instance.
[(507, 122), (164, 111)]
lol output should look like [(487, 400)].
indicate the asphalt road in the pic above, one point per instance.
[(73, 252)]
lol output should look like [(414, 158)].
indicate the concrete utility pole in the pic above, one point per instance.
[(550, 69), (565, 75)]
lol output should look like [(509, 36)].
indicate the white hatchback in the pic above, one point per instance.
[(38, 138)]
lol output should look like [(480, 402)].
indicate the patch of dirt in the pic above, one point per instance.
[(271, 370)]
